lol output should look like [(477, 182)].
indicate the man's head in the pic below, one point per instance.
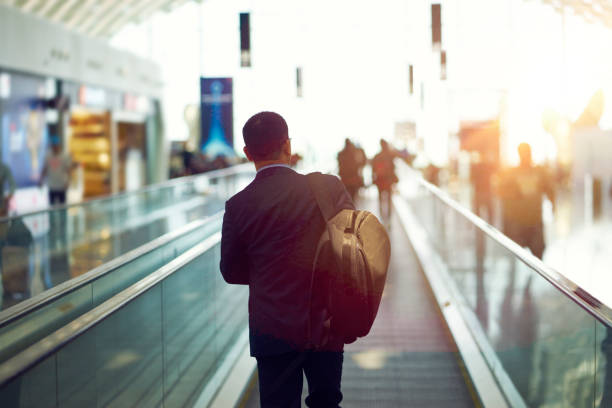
[(524, 151), (266, 138), (384, 145)]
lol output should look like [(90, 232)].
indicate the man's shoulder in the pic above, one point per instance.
[(237, 198), (330, 180), (261, 183)]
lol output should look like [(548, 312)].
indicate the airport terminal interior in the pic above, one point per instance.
[(479, 133)]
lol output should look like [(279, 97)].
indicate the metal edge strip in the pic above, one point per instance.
[(18, 311), (580, 296), (215, 174), (484, 380), (46, 346)]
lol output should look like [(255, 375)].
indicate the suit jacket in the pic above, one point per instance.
[(269, 237)]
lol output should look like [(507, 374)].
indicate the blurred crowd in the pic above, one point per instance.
[(520, 191), (517, 193), (351, 162)]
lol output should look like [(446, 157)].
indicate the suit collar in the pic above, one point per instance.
[(273, 165), (271, 170)]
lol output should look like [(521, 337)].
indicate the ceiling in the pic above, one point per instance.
[(592, 10), (103, 18), (96, 18)]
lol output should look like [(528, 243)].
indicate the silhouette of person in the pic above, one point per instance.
[(57, 171), (384, 177), (6, 180), (522, 190), (269, 238), (481, 175), (351, 160)]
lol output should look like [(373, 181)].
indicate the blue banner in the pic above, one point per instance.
[(217, 117)]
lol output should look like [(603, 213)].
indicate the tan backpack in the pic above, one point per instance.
[(359, 247)]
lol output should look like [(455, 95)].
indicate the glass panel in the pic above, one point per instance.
[(36, 388), (76, 382), (18, 335), (603, 393), (128, 351), (42, 250), (199, 325), (23, 332), (543, 341), (162, 347)]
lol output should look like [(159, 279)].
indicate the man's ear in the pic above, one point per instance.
[(287, 147), (248, 155)]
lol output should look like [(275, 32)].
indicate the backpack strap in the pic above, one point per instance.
[(321, 193)]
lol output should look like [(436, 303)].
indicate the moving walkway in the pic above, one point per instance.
[(468, 319), (33, 319)]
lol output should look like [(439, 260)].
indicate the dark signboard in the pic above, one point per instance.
[(217, 117)]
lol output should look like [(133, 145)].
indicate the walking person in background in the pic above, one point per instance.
[(57, 171), (522, 190), (384, 177), (269, 238), (6, 179), (351, 161), (481, 174)]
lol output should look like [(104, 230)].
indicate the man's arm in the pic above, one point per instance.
[(234, 265)]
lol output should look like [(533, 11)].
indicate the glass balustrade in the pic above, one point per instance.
[(41, 250), (547, 341), (18, 332), (156, 343)]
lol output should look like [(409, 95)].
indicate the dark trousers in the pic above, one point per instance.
[(57, 197), (280, 379)]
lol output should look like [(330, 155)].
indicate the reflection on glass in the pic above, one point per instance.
[(545, 343), (158, 350), (42, 250)]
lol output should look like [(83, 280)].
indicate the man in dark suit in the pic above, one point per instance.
[(270, 234)]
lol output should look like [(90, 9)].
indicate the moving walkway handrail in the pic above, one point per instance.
[(215, 174), (23, 308), (47, 346), (579, 295)]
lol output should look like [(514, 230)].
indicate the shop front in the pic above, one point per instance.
[(108, 133), (24, 135)]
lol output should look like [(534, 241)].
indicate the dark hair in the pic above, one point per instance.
[(264, 134)]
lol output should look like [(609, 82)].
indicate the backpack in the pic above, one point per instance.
[(359, 248)]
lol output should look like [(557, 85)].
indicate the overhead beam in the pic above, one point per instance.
[(142, 9), (99, 12), (46, 7), (114, 14), (80, 13), (62, 10), (29, 5)]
